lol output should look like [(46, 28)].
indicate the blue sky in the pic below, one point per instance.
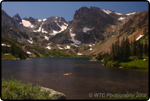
[(41, 10)]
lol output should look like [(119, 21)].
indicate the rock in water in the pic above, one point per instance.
[(55, 95)]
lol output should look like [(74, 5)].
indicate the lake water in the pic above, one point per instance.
[(87, 77)]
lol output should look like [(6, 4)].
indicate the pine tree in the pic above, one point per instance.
[(117, 50), (145, 49), (127, 49), (113, 52), (139, 49), (122, 50), (12, 49), (134, 47)]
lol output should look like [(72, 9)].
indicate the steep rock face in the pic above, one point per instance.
[(12, 29), (51, 25), (89, 24), (136, 23), (7, 20), (133, 26), (17, 18)]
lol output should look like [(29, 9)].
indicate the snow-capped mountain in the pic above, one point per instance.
[(51, 25), (89, 25)]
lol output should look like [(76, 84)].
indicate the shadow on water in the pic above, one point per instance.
[(86, 76)]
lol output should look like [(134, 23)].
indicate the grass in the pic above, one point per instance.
[(8, 56), (111, 63), (14, 89), (133, 64), (139, 64)]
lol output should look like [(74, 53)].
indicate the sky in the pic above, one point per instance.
[(42, 10)]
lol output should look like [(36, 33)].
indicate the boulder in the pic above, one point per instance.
[(144, 59), (55, 95)]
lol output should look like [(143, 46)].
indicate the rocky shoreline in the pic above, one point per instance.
[(55, 95)]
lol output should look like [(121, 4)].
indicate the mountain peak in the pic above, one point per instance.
[(17, 18)]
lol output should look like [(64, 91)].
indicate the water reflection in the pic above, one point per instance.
[(86, 76)]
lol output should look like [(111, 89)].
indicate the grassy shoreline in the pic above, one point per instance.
[(132, 64), (9, 57)]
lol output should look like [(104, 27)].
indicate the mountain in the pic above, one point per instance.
[(7, 20), (133, 26), (89, 25), (27, 28), (17, 18), (91, 31), (51, 25), (11, 21), (138, 22)]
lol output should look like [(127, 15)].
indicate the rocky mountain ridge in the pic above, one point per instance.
[(89, 28)]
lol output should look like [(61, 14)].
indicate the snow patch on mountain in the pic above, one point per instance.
[(65, 24), (54, 32), (40, 29), (130, 13), (43, 31), (90, 49), (62, 27), (67, 47), (85, 29), (59, 47), (121, 18), (39, 20), (44, 19), (90, 45), (106, 11), (77, 42), (118, 13), (46, 37), (48, 47), (139, 37), (27, 23), (29, 52), (79, 53), (30, 41)]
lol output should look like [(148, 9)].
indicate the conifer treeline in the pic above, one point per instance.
[(14, 50), (120, 51)]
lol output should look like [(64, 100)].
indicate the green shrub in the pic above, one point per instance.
[(13, 89)]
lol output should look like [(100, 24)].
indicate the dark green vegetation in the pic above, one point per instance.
[(127, 55), (16, 90), (18, 50), (42, 52), (136, 64), (14, 51)]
